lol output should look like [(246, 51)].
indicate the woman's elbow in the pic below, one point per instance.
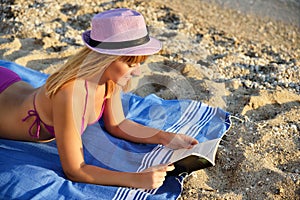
[(111, 128), (72, 175), (76, 174)]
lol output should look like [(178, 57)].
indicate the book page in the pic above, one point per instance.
[(205, 150)]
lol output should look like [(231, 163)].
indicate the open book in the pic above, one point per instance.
[(200, 156)]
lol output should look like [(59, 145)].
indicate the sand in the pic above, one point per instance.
[(247, 65)]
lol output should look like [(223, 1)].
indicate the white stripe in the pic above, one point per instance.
[(183, 117), (153, 191), (155, 157), (146, 157), (187, 125), (142, 195), (132, 194), (151, 159), (196, 126), (119, 193), (139, 194), (203, 123), (167, 157), (160, 157), (189, 118)]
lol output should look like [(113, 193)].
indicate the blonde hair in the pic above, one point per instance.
[(86, 63)]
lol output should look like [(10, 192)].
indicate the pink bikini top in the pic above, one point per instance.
[(38, 121)]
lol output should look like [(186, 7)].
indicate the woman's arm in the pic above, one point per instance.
[(116, 124), (67, 125)]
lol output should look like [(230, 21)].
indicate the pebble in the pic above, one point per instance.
[(294, 127), (234, 84)]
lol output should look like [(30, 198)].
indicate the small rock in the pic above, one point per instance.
[(279, 191)]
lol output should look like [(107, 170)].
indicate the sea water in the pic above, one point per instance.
[(287, 11)]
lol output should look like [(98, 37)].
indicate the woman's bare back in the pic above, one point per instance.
[(15, 102), (20, 98)]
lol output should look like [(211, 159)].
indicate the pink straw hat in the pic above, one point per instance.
[(120, 32)]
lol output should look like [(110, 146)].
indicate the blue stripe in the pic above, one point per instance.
[(153, 191), (151, 160), (203, 120), (209, 116), (137, 196), (122, 192), (191, 107), (117, 194), (203, 123), (144, 196), (146, 158), (126, 193), (188, 117), (167, 157), (140, 195)]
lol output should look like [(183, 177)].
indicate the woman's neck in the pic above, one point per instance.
[(98, 79)]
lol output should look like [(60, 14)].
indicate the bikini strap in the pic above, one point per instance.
[(85, 105), (37, 121)]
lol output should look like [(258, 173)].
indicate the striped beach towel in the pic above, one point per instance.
[(33, 170)]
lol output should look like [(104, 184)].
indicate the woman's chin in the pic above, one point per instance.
[(122, 83)]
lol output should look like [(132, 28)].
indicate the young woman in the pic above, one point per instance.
[(86, 88)]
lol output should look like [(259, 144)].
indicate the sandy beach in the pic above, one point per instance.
[(247, 65)]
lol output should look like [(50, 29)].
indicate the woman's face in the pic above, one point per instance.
[(120, 72)]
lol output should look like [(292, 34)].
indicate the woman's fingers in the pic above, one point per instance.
[(165, 167), (156, 175), (170, 168), (182, 141), (161, 167)]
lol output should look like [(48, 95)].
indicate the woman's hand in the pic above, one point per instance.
[(152, 177), (178, 141)]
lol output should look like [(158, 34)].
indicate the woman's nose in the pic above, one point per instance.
[(136, 71)]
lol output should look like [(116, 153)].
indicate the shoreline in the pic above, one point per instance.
[(285, 12)]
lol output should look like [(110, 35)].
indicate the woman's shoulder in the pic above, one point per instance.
[(74, 88)]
